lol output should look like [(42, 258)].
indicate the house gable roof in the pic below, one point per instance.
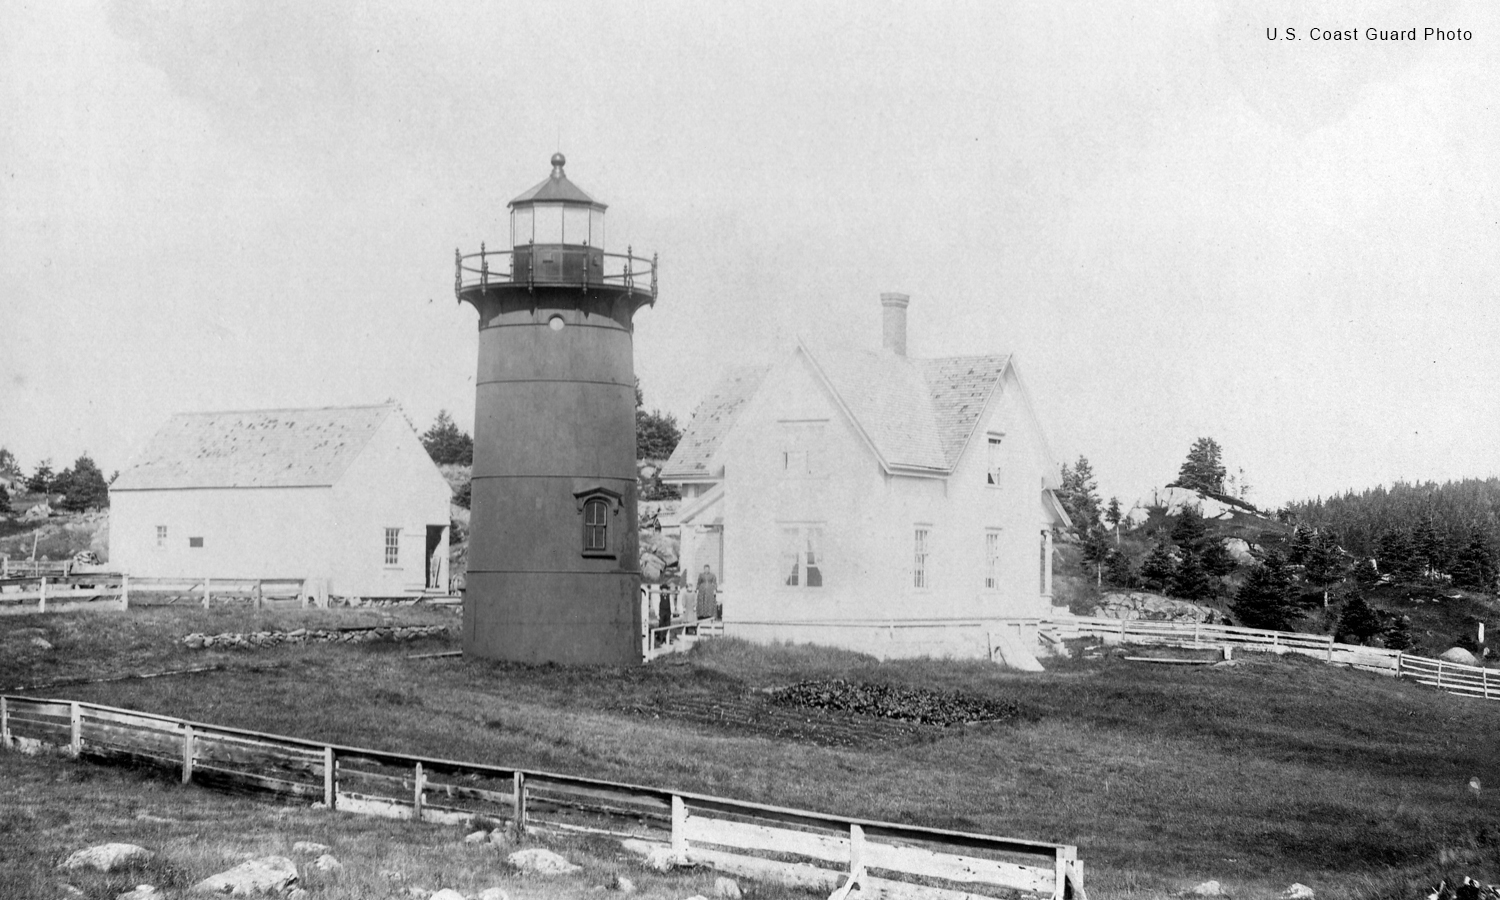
[(254, 449), (711, 423)]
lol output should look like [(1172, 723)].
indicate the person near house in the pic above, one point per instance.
[(708, 594)]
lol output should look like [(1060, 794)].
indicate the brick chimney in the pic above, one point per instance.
[(893, 322)]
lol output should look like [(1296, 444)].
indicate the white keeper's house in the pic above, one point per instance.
[(864, 499), (344, 496)]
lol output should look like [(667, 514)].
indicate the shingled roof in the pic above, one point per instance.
[(254, 449), (918, 414), (711, 421)]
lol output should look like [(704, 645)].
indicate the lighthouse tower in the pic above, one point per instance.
[(553, 571)]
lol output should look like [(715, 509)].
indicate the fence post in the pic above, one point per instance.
[(518, 801), (330, 784), (205, 593), (4, 723), (187, 753), (124, 592), (679, 830), (1440, 675), (42, 599), (856, 851), (75, 715), (416, 799), (258, 594), (1330, 648)]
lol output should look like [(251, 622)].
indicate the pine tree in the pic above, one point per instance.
[(1398, 634), (1080, 496), (1158, 567), (1113, 514), (1324, 560), (4, 500), (1095, 549), (83, 486), (1474, 566), (656, 433), (40, 481), (446, 443), (1358, 621), (1300, 545), (1189, 581), (1203, 470), (9, 467), (1118, 570), (1189, 532), (1397, 557), (1265, 600)]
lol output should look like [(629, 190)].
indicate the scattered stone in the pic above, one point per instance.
[(476, 837), (1452, 654), (263, 875), (502, 837), (310, 848), (142, 892), (539, 861), (1297, 891), (70, 890), (420, 893), (1150, 607), (661, 859), (327, 863), (1208, 889), (697, 897), (447, 894), (727, 888), (622, 884), (390, 875), (493, 893), (41, 643), (108, 858)]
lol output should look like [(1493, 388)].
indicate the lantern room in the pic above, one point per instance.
[(557, 232)]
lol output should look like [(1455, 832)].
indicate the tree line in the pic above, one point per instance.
[(82, 485)]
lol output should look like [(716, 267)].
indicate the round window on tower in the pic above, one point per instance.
[(556, 323)]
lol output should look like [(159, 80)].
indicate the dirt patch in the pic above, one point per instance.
[(756, 714), (904, 704)]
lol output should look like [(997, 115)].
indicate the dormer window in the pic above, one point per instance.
[(597, 509)]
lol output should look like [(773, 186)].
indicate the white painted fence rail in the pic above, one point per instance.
[(1455, 678), (886, 860)]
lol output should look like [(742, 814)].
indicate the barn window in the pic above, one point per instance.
[(393, 546), (993, 461), (596, 525), (802, 556), (920, 553), (161, 536), (195, 542), (992, 559)]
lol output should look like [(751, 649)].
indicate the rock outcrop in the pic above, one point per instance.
[(1151, 607)]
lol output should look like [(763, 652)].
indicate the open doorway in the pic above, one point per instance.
[(435, 558)]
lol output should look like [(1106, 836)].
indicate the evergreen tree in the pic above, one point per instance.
[(1189, 581), (448, 444), (1324, 560), (1203, 470), (9, 467), (40, 481), (1300, 545), (1398, 634), (1113, 514), (1095, 549), (83, 486), (1118, 570), (656, 433), (1358, 621), (1265, 599), (1080, 496), (4, 500), (1474, 566), (1429, 548), (1158, 567), (1217, 560), (1189, 532), (1397, 557)]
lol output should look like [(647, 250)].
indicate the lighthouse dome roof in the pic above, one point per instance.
[(557, 189)]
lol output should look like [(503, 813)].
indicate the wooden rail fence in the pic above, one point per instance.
[(1455, 678), (885, 860), (112, 590)]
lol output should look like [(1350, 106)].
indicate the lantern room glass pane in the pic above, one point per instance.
[(575, 225), (520, 226), (549, 224), (596, 228)]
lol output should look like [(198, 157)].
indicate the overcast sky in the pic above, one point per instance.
[(1180, 227)]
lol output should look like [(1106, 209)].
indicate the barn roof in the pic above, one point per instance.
[(254, 449), (711, 421)]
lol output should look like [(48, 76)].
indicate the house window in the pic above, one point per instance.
[(993, 461), (161, 536), (802, 556), (920, 552), (992, 559), (596, 525), (393, 546), (195, 542), (801, 448)]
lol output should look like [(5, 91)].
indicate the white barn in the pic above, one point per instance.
[(344, 496), (863, 499)]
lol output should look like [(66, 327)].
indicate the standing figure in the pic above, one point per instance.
[(708, 594)]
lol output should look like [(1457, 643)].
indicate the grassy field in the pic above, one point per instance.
[(1270, 771)]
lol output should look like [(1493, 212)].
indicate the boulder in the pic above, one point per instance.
[(310, 848), (1207, 889), (447, 894), (327, 863), (502, 837), (263, 875), (476, 837), (661, 859), (108, 858), (142, 892), (539, 861), (492, 893), (41, 643), (726, 888), (622, 884), (1297, 891), (1239, 548), (1458, 655)]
